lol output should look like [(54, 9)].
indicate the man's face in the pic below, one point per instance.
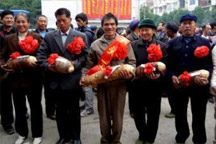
[(169, 33), (109, 28), (207, 30), (8, 20), (80, 23), (146, 33), (63, 22), (188, 27), (42, 23), (160, 27)]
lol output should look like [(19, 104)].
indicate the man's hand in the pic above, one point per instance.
[(214, 89), (176, 82), (139, 71), (82, 81), (126, 74), (51, 67), (200, 80), (6, 68), (152, 76)]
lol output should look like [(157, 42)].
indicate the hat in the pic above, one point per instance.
[(134, 24), (82, 16), (172, 26), (188, 17), (147, 23), (93, 27)]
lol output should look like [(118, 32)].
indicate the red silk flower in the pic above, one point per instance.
[(121, 51), (14, 55), (185, 77), (149, 68), (201, 51), (29, 45), (76, 45), (52, 58), (154, 53), (107, 71)]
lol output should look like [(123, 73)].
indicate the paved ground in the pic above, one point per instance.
[(91, 133)]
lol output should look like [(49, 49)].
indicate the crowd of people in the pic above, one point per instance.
[(174, 45)]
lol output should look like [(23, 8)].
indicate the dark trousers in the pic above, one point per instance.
[(146, 114), (171, 100), (34, 98), (7, 118), (198, 97), (50, 101), (67, 113)]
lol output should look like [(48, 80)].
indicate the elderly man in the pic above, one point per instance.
[(111, 95), (181, 58), (65, 87)]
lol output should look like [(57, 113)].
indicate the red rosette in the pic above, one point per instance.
[(76, 45), (14, 55), (29, 45), (154, 53), (149, 68), (121, 51), (107, 71), (185, 77), (201, 51), (52, 58)]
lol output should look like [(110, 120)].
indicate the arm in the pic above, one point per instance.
[(213, 79)]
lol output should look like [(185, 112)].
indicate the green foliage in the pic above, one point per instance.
[(33, 6), (204, 16)]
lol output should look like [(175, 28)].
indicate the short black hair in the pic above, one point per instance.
[(109, 16), (213, 24), (163, 23), (62, 11), (172, 26), (6, 12), (82, 16)]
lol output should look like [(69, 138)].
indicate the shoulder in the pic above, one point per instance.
[(11, 36)]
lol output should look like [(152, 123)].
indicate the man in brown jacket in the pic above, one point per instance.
[(111, 95)]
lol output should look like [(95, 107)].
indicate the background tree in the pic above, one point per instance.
[(33, 6)]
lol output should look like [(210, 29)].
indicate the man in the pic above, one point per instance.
[(181, 58), (134, 35), (41, 23), (7, 18), (82, 21), (213, 26), (206, 31), (162, 32), (111, 95), (171, 32), (65, 87)]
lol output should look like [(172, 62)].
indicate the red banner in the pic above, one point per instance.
[(95, 9)]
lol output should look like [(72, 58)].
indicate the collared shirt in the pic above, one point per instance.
[(181, 55), (64, 36)]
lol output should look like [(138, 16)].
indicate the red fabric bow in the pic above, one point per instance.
[(201, 51), (52, 58), (154, 53), (185, 77), (14, 55), (107, 71), (149, 68), (76, 45), (121, 51), (29, 45)]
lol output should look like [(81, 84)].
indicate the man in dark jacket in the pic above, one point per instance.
[(65, 87), (7, 119), (145, 91), (181, 58), (82, 21)]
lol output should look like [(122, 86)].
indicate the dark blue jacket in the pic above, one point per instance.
[(181, 56)]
